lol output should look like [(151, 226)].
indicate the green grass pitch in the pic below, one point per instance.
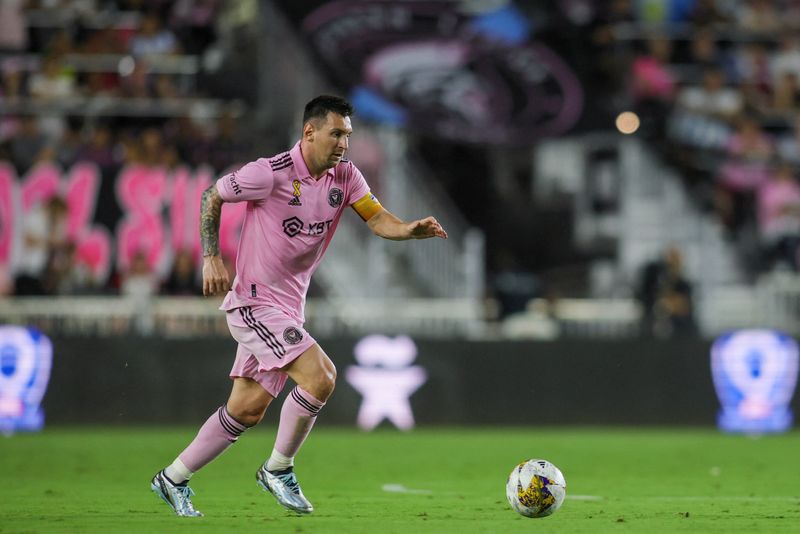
[(429, 480)]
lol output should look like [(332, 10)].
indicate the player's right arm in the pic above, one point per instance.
[(215, 275), (254, 181)]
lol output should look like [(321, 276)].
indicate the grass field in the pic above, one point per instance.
[(431, 480)]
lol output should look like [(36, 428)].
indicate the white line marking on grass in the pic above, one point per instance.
[(722, 498), (399, 488), (584, 497)]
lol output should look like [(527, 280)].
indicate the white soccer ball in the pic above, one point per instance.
[(536, 488)]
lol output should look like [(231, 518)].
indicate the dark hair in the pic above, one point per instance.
[(319, 107)]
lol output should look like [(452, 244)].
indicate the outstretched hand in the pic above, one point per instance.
[(215, 276), (425, 228)]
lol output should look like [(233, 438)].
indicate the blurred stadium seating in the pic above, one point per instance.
[(552, 230)]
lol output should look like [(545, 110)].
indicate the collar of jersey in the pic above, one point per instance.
[(300, 166)]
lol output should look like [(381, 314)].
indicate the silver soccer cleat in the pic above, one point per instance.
[(179, 498), (284, 487)]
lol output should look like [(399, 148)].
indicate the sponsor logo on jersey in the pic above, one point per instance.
[(292, 226), (295, 193), (237, 189), (335, 197), (292, 335)]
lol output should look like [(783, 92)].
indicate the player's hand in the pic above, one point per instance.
[(215, 276), (425, 228)]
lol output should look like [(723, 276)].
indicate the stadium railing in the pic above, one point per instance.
[(773, 303)]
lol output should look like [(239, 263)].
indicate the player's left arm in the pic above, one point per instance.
[(385, 224)]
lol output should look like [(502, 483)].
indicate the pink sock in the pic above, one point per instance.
[(218, 433), (298, 414)]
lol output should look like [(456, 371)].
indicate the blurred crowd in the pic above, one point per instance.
[(115, 83), (49, 64), (717, 84)]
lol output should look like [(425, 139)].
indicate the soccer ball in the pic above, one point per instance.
[(536, 488)]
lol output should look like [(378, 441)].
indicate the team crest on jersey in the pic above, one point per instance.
[(292, 335), (295, 193), (335, 197)]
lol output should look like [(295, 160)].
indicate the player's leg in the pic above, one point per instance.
[(245, 408), (315, 376)]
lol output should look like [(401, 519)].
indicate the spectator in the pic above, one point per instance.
[(708, 13), (712, 98), (749, 153), (150, 149), (28, 145), (136, 83), (513, 286), (100, 149), (183, 278), (653, 86), (705, 53), (787, 58), (230, 147), (44, 237), (12, 85), (758, 16), (139, 281), (786, 98), (13, 26), (164, 87), (195, 22), (789, 144), (779, 217), (153, 39), (65, 152), (53, 82), (754, 74), (666, 297), (652, 78)]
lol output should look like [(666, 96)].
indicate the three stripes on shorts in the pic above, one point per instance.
[(263, 332)]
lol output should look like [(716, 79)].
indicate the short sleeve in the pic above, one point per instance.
[(357, 185), (254, 181)]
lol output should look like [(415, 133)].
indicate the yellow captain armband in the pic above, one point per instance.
[(367, 206)]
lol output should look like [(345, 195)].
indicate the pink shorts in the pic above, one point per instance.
[(268, 341)]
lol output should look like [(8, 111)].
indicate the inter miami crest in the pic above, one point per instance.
[(295, 194), (335, 197), (292, 335)]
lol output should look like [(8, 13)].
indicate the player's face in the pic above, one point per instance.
[(331, 140)]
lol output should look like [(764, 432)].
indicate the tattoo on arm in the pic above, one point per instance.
[(210, 212)]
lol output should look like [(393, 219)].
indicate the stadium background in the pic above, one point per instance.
[(594, 257)]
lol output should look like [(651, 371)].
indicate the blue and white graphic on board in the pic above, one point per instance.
[(25, 358), (755, 373)]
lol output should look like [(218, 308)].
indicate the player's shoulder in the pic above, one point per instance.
[(280, 161), (345, 169)]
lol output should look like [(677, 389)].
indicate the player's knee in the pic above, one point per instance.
[(247, 415), (325, 383)]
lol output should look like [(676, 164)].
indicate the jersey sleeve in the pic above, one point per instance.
[(359, 196), (357, 185), (254, 181)]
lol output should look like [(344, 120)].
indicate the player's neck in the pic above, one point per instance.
[(316, 171)]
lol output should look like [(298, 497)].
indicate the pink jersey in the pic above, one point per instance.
[(289, 222)]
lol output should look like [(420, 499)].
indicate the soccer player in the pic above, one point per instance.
[(294, 202)]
